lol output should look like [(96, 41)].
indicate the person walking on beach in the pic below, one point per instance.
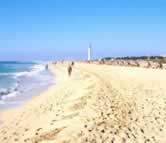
[(69, 69)]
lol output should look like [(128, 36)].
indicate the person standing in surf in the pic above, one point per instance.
[(46, 67)]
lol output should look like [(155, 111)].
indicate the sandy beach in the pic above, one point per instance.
[(97, 104)]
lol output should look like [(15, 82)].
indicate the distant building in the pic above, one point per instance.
[(89, 52)]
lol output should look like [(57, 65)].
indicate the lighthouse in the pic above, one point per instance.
[(89, 52)]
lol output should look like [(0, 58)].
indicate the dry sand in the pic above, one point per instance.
[(97, 104)]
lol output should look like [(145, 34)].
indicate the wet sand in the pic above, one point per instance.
[(97, 104)]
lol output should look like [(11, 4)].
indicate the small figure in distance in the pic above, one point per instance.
[(69, 69), (72, 63), (46, 67)]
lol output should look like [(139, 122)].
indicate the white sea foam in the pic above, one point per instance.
[(3, 90), (2, 102), (20, 73), (13, 94), (33, 71), (15, 102), (6, 74)]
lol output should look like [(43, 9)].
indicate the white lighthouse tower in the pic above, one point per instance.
[(89, 52)]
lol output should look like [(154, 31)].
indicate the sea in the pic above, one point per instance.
[(20, 81)]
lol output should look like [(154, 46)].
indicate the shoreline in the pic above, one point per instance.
[(30, 98), (29, 84), (97, 103), (25, 100)]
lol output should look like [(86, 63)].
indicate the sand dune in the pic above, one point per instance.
[(97, 104)]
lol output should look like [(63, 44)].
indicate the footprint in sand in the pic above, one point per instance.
[(52, 122), (123, 140), (3, 132), (113, 140), (15, 133), (25, 140), (26, 129), (39, 129), (47, 136), (16, 140), (5, 138), (142, 131)]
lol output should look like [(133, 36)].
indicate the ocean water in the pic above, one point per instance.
[(19, 81)]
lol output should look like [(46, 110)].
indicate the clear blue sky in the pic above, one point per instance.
[(55, 29)]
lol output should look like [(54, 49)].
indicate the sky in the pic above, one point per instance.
[(63, 29)]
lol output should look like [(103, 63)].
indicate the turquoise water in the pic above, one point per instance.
[(9, 71), (11, 67), (20, 81)]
